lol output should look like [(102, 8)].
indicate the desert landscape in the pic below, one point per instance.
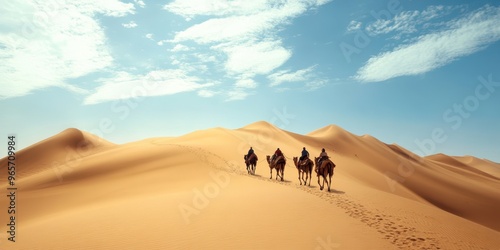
[(78, 191), (126, 124)]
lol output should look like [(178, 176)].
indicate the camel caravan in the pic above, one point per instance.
[(323, 166)]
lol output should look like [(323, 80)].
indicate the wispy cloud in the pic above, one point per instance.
[(207, 93), (244, 31), (407, 22), (124, 85), (190, 9), (463, 37), (286, 76), (129, 25), (233, 40), (180, 47), (238, 94), (353, 26), (246, 83), (140, 3), (255, 58), (68, 43)]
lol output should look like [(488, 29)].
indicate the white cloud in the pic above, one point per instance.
[(246, 83), (238, 94), (189, 9), (206, 58), (316, 84), (175, 62), (255, 58), (140, 3), (404, 22), (207, 93), (180, 47), (129, 25), (407, 22), (353, 26), (286, 76), (244, 31), (225, 29), (156, 83), (68, 43), (465, 36), (150, 36), (239, 23)]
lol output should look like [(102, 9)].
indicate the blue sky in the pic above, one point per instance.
[(422, 74)]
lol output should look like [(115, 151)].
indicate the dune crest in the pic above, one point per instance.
[(62, 147)]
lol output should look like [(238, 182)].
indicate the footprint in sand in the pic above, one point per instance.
[(398, 234)]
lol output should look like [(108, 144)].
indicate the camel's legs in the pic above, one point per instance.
[(330, 175), (310, 176), (282, 172), (319, 183), (330, 183)]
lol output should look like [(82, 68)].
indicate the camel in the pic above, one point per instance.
[(325, 169), (279, 164), (304, 168), (251, 163)]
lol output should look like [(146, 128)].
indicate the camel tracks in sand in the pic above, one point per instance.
[(391, 228)]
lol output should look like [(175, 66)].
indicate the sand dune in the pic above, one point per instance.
[(78, 191)]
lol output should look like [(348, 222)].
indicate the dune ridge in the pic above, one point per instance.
[(169, 191)]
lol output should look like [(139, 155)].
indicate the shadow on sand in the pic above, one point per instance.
[(272, 179), (317, 187), (336, 191)]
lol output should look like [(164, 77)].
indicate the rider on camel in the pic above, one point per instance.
[(276, 154), (304, 155), (250, 153), (322, 156)]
